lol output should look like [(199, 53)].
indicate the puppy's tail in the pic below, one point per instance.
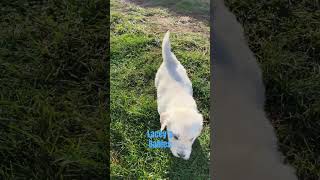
[(167, 55)]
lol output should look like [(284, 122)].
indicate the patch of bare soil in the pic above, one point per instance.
[(179, 24), (174, 23)]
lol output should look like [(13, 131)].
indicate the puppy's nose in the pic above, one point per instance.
[(181, 155)]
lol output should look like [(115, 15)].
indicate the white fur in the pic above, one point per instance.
[(176, 106)]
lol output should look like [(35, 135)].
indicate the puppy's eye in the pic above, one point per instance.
[(175, 137)]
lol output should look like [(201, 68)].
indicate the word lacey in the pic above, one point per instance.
[(159, 143)]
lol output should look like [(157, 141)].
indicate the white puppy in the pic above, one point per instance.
[(176, 106)]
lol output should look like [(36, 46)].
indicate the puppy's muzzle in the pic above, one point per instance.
[(181, 154)]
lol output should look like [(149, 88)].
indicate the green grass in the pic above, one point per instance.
[(286, 40), (135, 58), (194, 7), (54, 79), (53, 89)]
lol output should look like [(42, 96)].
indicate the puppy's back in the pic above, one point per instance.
[(171, 72)]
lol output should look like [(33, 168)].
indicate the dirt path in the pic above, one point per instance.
[(171, 21)]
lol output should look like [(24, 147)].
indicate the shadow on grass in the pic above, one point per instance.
[(198, 9), (197, 167)]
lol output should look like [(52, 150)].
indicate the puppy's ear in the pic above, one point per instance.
[(201, 118), (164, 117), (201, 121)]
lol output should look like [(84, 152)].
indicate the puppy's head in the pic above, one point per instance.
[(185, 127)]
